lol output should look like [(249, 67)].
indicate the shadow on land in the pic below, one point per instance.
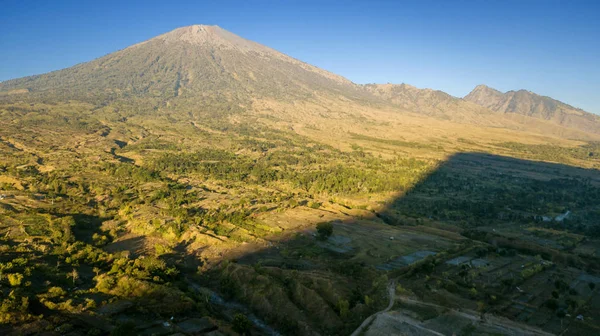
[(471, 201), (471, 205)]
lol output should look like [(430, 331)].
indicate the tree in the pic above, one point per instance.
[(344, 308), (241, 324), (125, 329), (8, 266), (324, 229), (552, 304), (74, 274), (15, 279), (481, 308)]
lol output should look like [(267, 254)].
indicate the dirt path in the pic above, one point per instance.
[(368, 320), (501, 323)]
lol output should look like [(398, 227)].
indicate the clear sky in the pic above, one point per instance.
[(545, 46)]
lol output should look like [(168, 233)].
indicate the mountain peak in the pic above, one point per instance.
[(485, 88), (204, 35), (484, 95), (194, 33)]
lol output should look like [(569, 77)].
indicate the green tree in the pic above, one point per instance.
[(324, 230), (344, 308), (481, 308), (7, 266), (15, 279), (241, 324), (125, 329), (552, 304), (74, 275)]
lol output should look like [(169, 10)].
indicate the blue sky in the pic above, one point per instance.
[(546, 46)]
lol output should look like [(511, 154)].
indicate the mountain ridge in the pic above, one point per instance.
[(527, 103)]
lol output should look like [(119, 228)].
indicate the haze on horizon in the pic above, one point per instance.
[(549, 47)]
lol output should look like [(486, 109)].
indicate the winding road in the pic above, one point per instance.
[(368, 320)]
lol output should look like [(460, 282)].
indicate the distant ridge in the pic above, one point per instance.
[(434, 103), (530, 104)]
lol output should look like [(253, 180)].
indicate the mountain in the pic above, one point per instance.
[(199, 71), (527, 103), (205, 63), (426, 101)]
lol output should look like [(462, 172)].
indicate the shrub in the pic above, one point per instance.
[(344, 308), (401, 290), (89, 303), (125, 329), (15, 279), (241, 324), (55, 292), (529, 272), (552, 304), (324, 229), (450, 286), (368, 301)]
